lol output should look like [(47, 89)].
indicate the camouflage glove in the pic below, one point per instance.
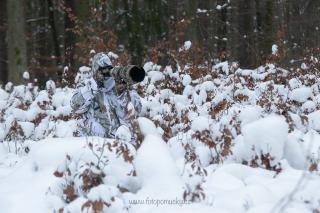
[(90, 89)]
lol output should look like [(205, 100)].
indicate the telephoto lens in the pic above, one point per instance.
[(130, 74)]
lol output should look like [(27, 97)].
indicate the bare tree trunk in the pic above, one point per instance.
[(268, 28), (247, 55), (17, 48), (3, 45), (55, 35), (222, 30), (69, 36)]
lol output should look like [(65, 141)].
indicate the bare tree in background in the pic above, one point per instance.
[(234, 30), (17, 48), (3, 45), (70, 38)]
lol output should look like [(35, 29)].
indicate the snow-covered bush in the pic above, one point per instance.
[(96, 178), (200, 123), (195, 105), (30, 114)]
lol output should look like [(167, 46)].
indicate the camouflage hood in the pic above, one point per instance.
[(100, 60)]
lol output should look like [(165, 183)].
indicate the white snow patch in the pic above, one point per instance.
[(155, 76), (26, 75), (157, 171), (301, 94), (266, 135), (186, 80), (200, 123), (274, 49), (250, 114), (314, 120)]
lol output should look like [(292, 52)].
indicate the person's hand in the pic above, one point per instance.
[(90, 88), (91, 84)]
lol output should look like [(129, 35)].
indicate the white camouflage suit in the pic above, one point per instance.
[(104, 111)]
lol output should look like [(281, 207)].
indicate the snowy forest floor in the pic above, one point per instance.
[(231, 141), (25, 182)]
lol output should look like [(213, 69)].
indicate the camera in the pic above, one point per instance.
[(128, 75)]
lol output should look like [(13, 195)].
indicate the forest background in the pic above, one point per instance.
[(46, 36)]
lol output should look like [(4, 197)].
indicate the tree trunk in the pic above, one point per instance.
[(17, 48), (69, 36), (3, 45), (54, 33), (222, 30), (247, 54)]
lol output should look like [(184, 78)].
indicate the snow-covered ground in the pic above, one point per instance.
[(28, 184), (244, 142)]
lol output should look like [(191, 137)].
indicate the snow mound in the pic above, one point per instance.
[(157, 171), (314, 120), (147, 127), (250, 114), (186, 80), (200, 123), (301, 94), (266, 135)]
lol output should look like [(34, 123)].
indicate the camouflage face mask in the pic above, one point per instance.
[(102, 74)]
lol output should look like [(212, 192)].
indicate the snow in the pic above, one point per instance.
[(33, 174), (301, 94), (27, 128), (184, 135), (148, 66), (160, 178), (293, 150), (201, 10), (3, 94), (186, 80), (250, 114), (8, 87), (221, 181), (147, 127), (294, 83), (186, 46), (311, 145), (266, 135), (123, 133), (223, 66), (314, 120), (155, 76), (230, 188), (274, 49), (50, 85), (200, 123), (65, 128), (304, 66), (26, 75), (308, 106)]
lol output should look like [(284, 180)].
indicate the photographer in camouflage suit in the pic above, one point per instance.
[(105, 99)]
